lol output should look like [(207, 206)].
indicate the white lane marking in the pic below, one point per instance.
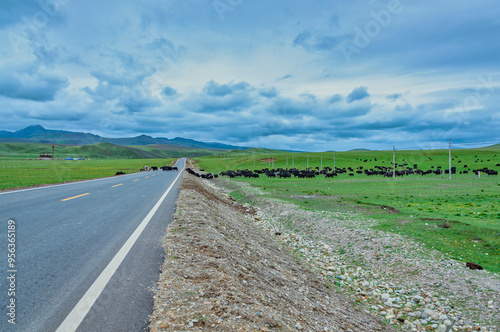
[(76, 316)]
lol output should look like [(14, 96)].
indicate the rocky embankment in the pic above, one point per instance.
[(272, 267)]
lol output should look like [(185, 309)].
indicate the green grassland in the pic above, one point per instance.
[(18, 173), (460, 217), (425, 159), (19, 166)]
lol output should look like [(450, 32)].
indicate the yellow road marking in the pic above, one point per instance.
[(136, 180), (116, 185), (67, 199), (147, 177)]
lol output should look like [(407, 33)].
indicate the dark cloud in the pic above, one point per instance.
[(103, 91), (334, 99), (222, 98), (269, 93), (213, 88), (358, 94), (121, 68), (318, 43), (303, 39), (13, 11), (389, 123), (136, 101), (49, 114), (243, 113), (165, 48), (49, 56), (394, 97), (334, 21), (27, 85), (168, 91), (284, 77)]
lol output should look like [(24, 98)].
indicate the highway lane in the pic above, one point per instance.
[(66, 235)]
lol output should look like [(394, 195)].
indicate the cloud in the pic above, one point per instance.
[(334, 99), (269, 93), (163, 47), (358, 94), (13, 11), (136, 101), (117, 67), (282, 78), (312, 43), (213, 88), (240, 112), (269, 78), (394, 97), (168, 91), (27, 85), (303, 39), (217, 98)]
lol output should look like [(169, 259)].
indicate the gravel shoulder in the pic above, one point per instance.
[(223, 273), (271, 266)]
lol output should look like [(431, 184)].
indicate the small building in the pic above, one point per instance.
[(44, 156)]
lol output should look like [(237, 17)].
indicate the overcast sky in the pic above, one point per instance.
[(304, 75)]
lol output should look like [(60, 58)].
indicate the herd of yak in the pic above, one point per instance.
[(152, 168), (329, 172), (163, 168)]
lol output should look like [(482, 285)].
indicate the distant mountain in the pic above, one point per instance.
[(31, 131), (6, 134), (38, 134)]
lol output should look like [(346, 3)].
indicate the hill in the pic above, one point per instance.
[(38, 134), (101, 151), (495, 146), (360, 149)]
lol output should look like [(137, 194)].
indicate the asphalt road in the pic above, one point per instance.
[(65, 237)]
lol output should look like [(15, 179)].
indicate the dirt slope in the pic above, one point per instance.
[(223, 274)]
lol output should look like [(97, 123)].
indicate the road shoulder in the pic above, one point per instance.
[(223, 273)]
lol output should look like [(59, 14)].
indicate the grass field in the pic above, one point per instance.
[(460, 217), (16, 173)]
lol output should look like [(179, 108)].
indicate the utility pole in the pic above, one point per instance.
[(321, 164), (449, 159), (307, 162), (292, 161), (393, 162), (334, 160)]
